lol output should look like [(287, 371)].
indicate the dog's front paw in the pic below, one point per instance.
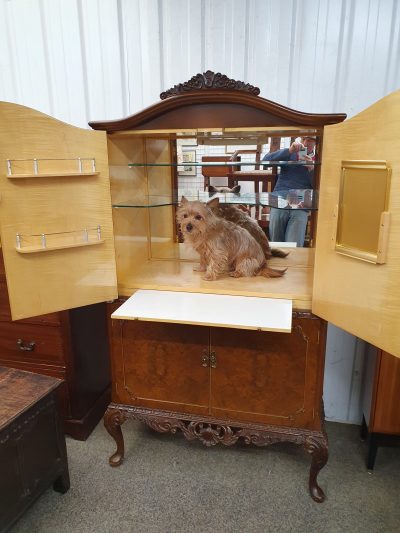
[(199, 268), (209, 276), (235, 274)]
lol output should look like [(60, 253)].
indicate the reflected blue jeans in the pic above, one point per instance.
[(288, 225)]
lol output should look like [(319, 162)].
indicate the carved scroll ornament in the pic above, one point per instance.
[(210, 80), (211, 431)]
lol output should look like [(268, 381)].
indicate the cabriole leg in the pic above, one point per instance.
[(318, 449), (113, 419)]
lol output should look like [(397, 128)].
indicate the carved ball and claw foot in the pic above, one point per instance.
[(211, 431)]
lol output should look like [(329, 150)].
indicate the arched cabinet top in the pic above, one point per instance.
[(212, 100)]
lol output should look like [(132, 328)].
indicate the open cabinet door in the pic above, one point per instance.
[(55, 213), (357, 262)]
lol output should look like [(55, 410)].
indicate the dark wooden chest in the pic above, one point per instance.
[(32, 442)]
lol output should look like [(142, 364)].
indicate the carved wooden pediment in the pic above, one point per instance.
[(209, 80), (211, 100)]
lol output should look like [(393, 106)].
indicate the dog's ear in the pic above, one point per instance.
[(184, 200), (235, 189), (213, 203), (211, 188)]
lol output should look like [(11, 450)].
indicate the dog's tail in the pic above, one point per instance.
[(270, 272), (279, 253)]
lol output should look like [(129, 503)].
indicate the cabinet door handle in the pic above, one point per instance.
[(26, 346), (205, 359), (213, 360)]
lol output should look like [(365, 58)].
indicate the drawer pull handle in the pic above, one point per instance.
[(26, 346), (205, 359), (213, 360)]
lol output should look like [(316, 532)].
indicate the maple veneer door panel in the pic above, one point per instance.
[(273, 378), (159, 365), (361, 297), (55, 213)]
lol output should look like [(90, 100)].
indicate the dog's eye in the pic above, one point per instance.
[(185, 215), (198, 217)]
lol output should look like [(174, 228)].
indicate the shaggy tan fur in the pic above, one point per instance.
[(236, 215), (222, 245)]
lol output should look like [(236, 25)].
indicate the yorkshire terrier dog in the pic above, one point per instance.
[(234, 190), (236, 215), (223, 246)]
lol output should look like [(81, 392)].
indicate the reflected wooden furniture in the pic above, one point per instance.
[(69, 345), (32, 444), (217, 171), (264, 180), (381, 405)]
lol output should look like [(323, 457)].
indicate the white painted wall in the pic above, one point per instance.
[(82, 60)]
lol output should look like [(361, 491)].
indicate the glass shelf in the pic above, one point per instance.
[(306, 199), (226, 164)]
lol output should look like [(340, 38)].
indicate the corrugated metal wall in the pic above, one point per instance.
[(81, 60), (85, 60)]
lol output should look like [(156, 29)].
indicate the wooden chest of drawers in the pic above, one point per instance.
[(70, 345)]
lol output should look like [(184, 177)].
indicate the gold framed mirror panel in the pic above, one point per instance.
[(363, 219)]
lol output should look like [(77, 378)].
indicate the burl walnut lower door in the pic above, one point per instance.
[(161, 365), (266, 377)]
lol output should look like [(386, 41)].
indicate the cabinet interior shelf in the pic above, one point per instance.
[(36, 249), (53, 175), (37, 167), (294, 199), (46, 242)]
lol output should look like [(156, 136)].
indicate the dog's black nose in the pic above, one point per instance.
[(189, 227)]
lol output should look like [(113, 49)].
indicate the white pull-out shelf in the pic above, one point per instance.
[(242, 312)]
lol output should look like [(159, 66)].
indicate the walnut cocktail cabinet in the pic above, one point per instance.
[(89, 216), (69, 345)]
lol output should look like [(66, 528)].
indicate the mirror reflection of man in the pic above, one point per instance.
[(289, 225)]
